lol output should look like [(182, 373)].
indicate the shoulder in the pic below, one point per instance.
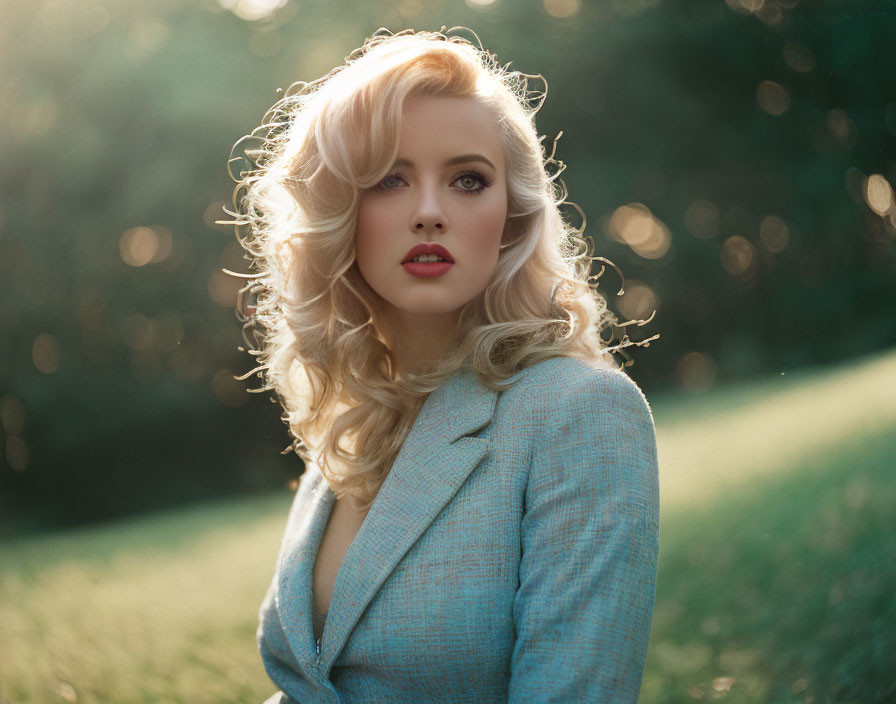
[(570, 387), (590, 431)]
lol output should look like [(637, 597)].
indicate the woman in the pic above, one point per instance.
[(477, 521)]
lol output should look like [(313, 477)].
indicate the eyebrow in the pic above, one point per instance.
[(462, 159)]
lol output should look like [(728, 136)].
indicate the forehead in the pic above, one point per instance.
[(443, 127)]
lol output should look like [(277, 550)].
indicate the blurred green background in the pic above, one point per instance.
[(735, 158)]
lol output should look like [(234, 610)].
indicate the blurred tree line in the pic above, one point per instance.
[(734, 159)]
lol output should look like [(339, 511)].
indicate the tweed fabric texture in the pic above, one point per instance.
[(510, 555)]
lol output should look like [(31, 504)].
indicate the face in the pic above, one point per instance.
[(446, 197)]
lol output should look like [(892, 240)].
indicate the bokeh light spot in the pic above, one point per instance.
[(799, 685), (723, 684), (738, 255), (636, 226), (140, 246), (67, 692), (16, 453), (745, 7), (878, 194), (252, 9), (12, 414), (561, 8), (770, 14), (638, 302), (798, 57), (45, 353), (774, 234), (773, 97), (842, 127)]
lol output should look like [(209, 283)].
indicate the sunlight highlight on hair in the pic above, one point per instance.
[(312, 321)]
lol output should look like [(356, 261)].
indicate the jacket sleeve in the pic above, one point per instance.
[(589, 539)]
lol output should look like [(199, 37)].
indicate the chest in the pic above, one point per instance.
[(453, 590), (342, 526)]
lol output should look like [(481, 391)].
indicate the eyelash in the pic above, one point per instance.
[(483, 181)]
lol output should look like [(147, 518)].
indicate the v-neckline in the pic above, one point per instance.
[(434, 460), (326, 511), (328, 501)]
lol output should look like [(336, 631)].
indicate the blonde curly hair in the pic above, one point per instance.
[(316, 325)]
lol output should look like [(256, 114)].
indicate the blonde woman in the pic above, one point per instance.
[(477, 521)]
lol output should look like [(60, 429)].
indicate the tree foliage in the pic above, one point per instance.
[(734, 159)]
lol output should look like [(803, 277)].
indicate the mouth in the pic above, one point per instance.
[(428, 254), (427, 269), (427, 261)]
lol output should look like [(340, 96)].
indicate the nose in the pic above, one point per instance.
[(429, 214), (429, 224)]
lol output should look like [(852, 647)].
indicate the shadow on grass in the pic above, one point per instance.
[(784, 591)]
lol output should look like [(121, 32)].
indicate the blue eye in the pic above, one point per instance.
[(391, 182), (467, 182)]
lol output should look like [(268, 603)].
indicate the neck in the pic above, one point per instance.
[(420, 341)]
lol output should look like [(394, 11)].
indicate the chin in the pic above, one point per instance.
[(432, 304), (431, 310)]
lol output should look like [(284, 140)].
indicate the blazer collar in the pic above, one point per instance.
[(435, 460)]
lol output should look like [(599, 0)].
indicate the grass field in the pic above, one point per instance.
[(777, 576)]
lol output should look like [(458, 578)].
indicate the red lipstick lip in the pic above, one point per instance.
[(428, 249)]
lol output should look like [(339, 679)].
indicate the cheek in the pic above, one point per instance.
[(483, 229), (486, 227), (370, 233)]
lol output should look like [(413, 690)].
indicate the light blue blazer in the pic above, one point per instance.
[(510, 555)]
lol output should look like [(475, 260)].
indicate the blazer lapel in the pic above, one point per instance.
[(433, 463), (304, 530)]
